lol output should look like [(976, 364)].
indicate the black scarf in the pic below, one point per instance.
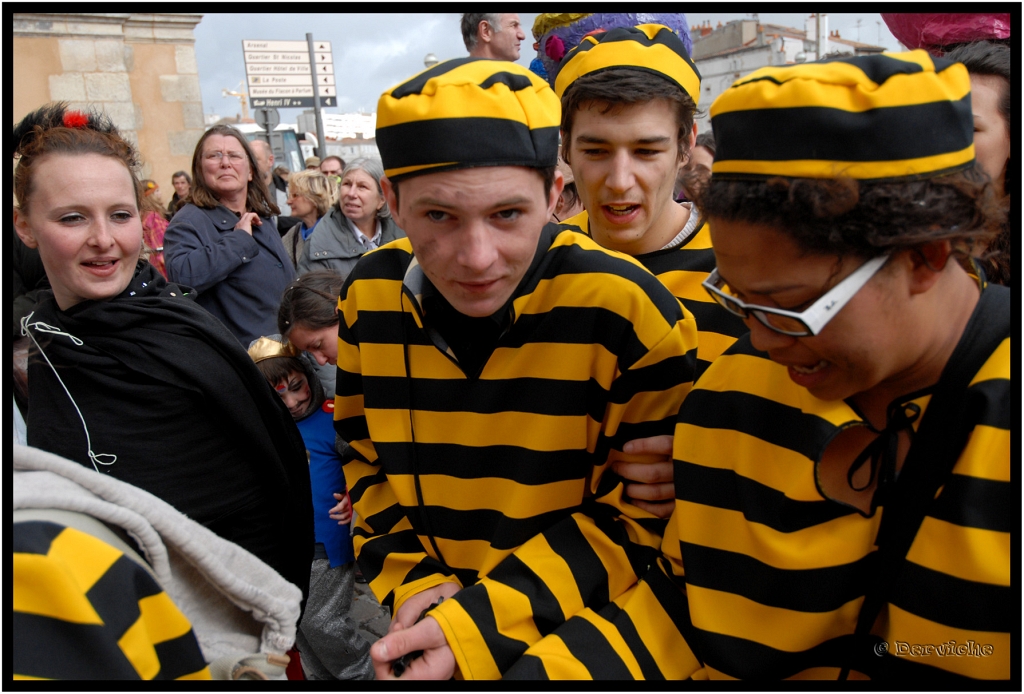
[(166, 388)]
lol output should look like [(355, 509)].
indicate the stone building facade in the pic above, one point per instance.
[(138, 68)]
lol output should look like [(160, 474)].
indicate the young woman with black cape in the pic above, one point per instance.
[(127, 374)]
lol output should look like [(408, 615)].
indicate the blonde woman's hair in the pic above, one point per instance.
[(315, 187)]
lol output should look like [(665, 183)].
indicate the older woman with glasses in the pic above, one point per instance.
[(360, 222), (224, 242), (842, 473)]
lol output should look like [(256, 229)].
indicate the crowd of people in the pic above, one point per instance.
[(578, 392)]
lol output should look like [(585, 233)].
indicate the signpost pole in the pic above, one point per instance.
[(321, 142)]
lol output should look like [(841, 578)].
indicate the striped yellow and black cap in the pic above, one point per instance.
[(878, 117), (652, 48), (467, 112)]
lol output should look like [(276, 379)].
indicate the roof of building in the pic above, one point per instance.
[(868, 47), (779, 30)]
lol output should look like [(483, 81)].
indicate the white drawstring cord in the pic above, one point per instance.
[(94, 458)]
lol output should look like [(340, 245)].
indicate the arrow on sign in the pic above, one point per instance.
[(322, 57), (324, 68), (321, 47)]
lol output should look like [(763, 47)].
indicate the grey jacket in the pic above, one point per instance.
[(333, 247), (294, 243)]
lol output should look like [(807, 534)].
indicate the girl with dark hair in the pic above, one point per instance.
[(842, 473), (127, 374), (308, 316), (308, 319), (224, 242)]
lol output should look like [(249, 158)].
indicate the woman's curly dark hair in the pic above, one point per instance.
[(843, 216), (54, 129)]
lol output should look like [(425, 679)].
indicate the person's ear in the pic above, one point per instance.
[(555, 194), (392, 199), (926, 263), (484, 31), (22, 228)]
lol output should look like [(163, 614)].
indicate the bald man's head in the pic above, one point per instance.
[(264, 159)]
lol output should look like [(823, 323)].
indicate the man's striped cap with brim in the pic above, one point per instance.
[(881, 117), (652, 48), (464, 113)]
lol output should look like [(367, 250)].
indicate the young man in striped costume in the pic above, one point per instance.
[(628, 101), (844, 479), (488, 365)]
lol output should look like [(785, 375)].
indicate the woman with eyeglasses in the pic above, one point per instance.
[(224, 242), (842, 473)]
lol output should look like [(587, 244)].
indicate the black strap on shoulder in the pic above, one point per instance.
[(940, 439)]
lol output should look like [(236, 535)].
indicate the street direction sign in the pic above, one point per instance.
[(280, 75), (293, 58), (292, 101), (284, 46), (279, 69), (289, 80), (289, 91)]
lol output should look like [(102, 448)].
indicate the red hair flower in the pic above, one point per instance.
[(75, 119)]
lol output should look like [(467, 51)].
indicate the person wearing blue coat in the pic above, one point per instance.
[(223, 242)]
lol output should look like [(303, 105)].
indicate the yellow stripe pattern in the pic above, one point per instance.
[(551, 466), (53, 604), (766, 581)]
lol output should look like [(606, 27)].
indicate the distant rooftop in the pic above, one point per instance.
[(745, 34)]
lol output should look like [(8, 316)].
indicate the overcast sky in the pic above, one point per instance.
[(373, 52)]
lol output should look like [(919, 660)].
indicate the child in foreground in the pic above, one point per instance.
[(328, 640)]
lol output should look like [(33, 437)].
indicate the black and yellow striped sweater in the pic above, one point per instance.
[(506, 470), (762, 577), (682, 268), (83, 610)]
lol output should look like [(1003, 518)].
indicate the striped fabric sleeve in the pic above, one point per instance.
[(644, 634), (589, 558), (389, 551), (84, 610)]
